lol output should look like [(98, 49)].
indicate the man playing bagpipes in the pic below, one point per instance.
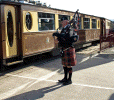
[(66, 38)]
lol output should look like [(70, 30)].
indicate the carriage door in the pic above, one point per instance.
[(10, 31)]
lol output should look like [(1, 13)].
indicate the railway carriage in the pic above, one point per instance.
[(26, 29), (90, 29)]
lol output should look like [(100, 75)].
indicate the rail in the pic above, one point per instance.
[(109, 38)]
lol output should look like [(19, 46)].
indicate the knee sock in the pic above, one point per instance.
[(70, 73), (65, 72)]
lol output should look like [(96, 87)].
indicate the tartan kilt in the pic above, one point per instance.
[(69, 57)]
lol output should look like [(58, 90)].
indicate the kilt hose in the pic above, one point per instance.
[(69, 57)]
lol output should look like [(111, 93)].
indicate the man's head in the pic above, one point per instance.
[(64, 21)]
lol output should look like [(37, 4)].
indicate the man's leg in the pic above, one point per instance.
[(69, 80), (65, 74)]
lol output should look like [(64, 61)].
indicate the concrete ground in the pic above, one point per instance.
[(93, 79)]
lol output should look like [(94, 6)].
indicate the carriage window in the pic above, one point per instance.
[(60, 16), (46, 21), (86, 23), (10, 28), (94, 23), (28, 20)]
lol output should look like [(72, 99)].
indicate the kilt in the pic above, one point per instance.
[(69, 57)]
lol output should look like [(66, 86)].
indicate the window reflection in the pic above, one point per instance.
[(10, 28), (46, 21), (86, 23)]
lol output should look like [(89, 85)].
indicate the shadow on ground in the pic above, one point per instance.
[(111, 97), (35, 94)]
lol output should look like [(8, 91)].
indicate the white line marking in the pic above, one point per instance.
[(85, 85), (12, 92), (84, 59), (44, 77), (37, 79), (22, 76), (49, 75), (51, 81), (94, 55), (97, 87), (41, 78), (112, 50), (99, 57)]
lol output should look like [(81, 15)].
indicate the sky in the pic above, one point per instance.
[(100, 8)]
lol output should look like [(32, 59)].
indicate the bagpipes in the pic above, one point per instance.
[(68, 34)]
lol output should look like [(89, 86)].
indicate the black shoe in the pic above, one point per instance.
[(63, 80), (67, 82)]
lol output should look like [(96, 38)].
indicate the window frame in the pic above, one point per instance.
[(46, 18), (94, 23), (31, 21), (87, 21), (10, 27)]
